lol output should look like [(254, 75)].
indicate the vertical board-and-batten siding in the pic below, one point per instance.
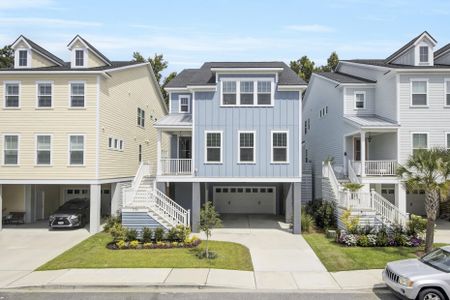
[(121, 95), (59, 121), (434, 119), (284, 115)]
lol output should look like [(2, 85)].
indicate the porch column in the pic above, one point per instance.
[(400, 197), (29, 203), (288, 203), (95, 203), (116, 198), (297, 201), (1, 206), (158, 152), (195, 212), (363, 153)]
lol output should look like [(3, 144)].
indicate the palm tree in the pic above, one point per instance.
[(428, 170)]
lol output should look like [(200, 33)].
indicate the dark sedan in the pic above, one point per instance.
[(72, 214)]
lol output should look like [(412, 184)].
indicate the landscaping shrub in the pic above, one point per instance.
[(416, 226), (350, 222), (372, 240), (118, 232), (323, 213), (121, 244), (307, 222), (363, 241), (133, 244), (112, 222), (147, 235), (159, 234), (172, 234), (131, 234)]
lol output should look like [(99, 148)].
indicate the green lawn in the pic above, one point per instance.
[(92, 253), (336, 257)]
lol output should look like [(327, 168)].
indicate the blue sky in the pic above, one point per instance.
[(191, 32)]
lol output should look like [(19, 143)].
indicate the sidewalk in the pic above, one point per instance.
[(213, 278)]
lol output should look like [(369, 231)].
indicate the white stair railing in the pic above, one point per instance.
[(387, 210), (352, 174), (170, 210)]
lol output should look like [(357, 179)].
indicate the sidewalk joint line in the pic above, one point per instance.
[(167, 277)]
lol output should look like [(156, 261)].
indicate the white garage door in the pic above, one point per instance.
[(245, 200), (72, 193)]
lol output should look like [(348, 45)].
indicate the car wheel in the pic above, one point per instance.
[(431, 294)]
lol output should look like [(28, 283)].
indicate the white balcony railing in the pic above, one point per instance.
[(176, 166), (376, 167)]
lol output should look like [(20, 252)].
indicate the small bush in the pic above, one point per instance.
[(350, 240), (372, 239), (323, 213), (147, 235), (159, 234), (416, 226), (351, 223), (133, 244), (147, 245), (203, 255), (382, 237), (131, 234), (307, 222), (363, 241), (352, 186), (118, 232), (121, 244), (112, 222), (172, 234), (183, 232)]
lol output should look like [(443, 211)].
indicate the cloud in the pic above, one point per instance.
[(46, 22), (20, 4), (310, 28)]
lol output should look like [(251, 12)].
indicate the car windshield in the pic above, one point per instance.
[(439, 259), (72, 205)]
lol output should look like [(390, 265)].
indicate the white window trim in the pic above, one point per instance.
[(70, 95), (411, 92), (4, 93), (16, 59), (3, 149), (272, 147), (84, 149), (139, 116), (188, 105), (36, 149), (239, 146), (206, 148), (446, 139), (428, 57), (412, 140), (37, 94), (355, 100), (85, 58), (255, 91), (446, 91)]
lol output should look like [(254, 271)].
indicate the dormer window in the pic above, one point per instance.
[(23, 58), (79, 58), (423, 54)]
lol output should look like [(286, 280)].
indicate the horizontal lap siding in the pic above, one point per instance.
[(434, 119), (283, 116), (349, 99), (59, 121)]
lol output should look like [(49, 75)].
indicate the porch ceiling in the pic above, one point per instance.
[(370, 122)]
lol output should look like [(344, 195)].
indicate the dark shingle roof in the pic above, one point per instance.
[(442, 50), (92, 48), (344, 78), (204, 75), (41, 50), (382, 63), (405, 47), (66, 67)]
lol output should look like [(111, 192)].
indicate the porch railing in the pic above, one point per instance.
[(376, 167), (176, 166)]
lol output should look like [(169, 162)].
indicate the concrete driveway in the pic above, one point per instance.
[(272, 246), (23, 248)]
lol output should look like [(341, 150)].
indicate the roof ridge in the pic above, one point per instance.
[(92, 48), (406, 46), (38, 48)]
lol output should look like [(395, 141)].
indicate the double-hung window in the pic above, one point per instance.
[(184, 104), (11, 149), (76, 149), (23, 58), (77, 94), (423, 54), (229, 93), (419, 92), (447, 92), (280, 147), (264, 92), (44, 94), (246, 92), (246, 147), (79, 58), (141, 117), (213, 151), (12, 91), (43, 149), (360, 100), (419, 142)]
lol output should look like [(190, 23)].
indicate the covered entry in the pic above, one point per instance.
[(245, 199)]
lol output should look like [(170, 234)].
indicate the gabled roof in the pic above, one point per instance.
[(408, 45), (40, 50), (371, 121), (442, 51), (384, 64), (344, 78), (205, 76), (90, 47)]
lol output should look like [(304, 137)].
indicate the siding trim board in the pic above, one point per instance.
[(65, 181), (227, 179)]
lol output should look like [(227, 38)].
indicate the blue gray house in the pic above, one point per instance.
[(234, 132)]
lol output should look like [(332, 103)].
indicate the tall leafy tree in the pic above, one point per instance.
[(165, 82), (428, 170), (333, 61), (158, 64), (6, 57), (303, 67)]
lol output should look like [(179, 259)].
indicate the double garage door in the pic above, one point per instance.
[(245, 199)]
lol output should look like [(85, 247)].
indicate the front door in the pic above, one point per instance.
[(357, 149), (184, 147)]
